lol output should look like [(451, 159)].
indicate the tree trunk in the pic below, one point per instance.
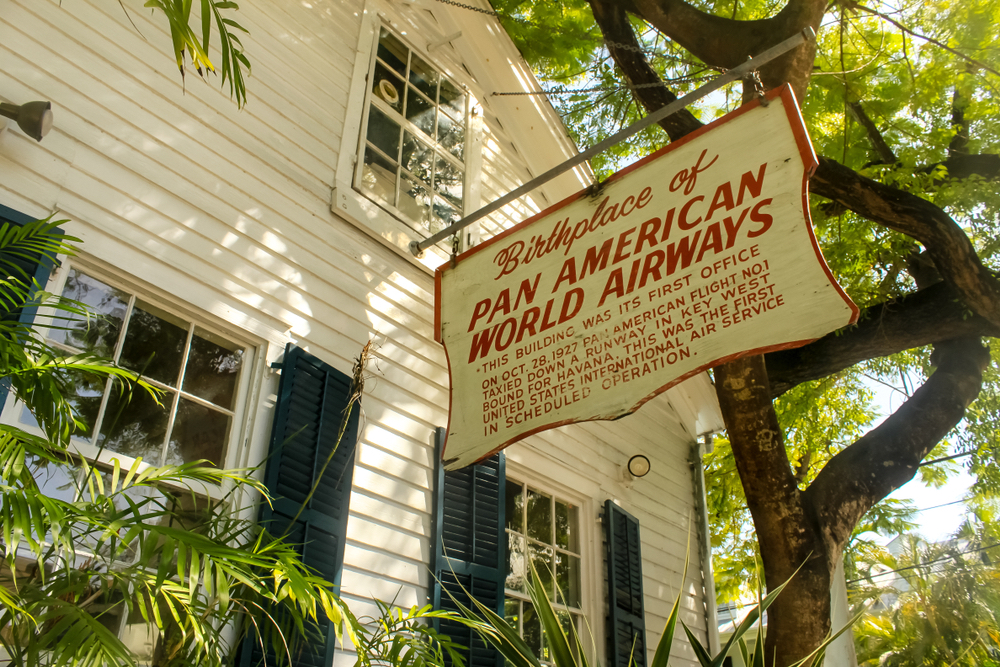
[(791, 542)]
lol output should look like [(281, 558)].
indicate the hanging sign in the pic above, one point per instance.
[(697, 254)]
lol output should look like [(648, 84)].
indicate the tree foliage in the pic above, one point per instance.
[(942, 606), (901, 103)]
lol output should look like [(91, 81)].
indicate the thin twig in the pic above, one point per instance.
[(933, 41)]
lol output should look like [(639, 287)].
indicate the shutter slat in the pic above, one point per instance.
[(626, 618)]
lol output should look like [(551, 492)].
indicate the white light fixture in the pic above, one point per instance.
[(638, 466), (34, 118)]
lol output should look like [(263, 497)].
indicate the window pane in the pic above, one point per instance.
[(515, 506), (391, 92), (423, 76), (452, 100), (531, 629), (449, 182), (378, 176), (392, 51), (566, 527), (383, 133), (141, 426), (568, 579), (512, 613), (451, 135), (213, 368), (541, 560), (414, 200), (539, 516), (54, 480), (417, 158), (154, 343), (515, 562), (199, 433), (443, 215), (100, 334), (570, 627), (420, 111), (84, 393), (184, 509)]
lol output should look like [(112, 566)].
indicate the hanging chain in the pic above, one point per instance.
[(488, 12), (758, 87)]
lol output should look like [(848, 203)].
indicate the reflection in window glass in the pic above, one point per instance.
[(543, 530), (98, 334), (409, 95), (154, 344), (213, 368), (196, 372)]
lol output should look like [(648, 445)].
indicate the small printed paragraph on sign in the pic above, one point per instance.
[(700, 253)]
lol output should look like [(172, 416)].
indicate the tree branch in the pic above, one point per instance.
[(726, 42), (948, 245), (882, 149), (959, 144), (613, 22), (962, 166), (932, 315), (888, 456)]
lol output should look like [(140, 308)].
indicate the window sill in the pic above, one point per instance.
[(374, 220)]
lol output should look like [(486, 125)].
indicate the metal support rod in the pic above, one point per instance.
[(417, 247)]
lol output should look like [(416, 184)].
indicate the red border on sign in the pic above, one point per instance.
[(810, 162)]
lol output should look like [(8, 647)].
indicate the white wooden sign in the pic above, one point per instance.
[(698, 254)]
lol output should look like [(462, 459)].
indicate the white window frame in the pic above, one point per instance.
[(592, 563), (241, 430), (376, 218)]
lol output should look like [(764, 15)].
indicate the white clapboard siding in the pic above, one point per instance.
[(227, 212)]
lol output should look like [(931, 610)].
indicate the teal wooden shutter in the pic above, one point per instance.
[(18, 268), (470, 547), (626, 617), (312, 396)]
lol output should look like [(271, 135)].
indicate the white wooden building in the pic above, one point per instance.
[(231, 234)]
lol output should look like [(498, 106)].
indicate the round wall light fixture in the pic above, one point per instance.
[(638, 466), (34, 118)]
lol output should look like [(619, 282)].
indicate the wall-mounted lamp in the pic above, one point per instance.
[(638, 466), (34, 118)]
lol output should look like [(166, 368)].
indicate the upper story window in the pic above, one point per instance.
[(199, 372), (413, 157)]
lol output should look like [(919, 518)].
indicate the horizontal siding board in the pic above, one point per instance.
[(117, 89), (159, 70), (388, 511)]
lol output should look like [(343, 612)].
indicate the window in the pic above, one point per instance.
[(413, 153), (199, 372), (544, 530)]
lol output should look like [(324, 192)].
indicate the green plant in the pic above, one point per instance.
[(187, 43), (88, 550), (568, 650)]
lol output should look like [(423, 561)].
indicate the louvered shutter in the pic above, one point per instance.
[(311, 399), (626, 618), (470, 547), (37, 267)]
